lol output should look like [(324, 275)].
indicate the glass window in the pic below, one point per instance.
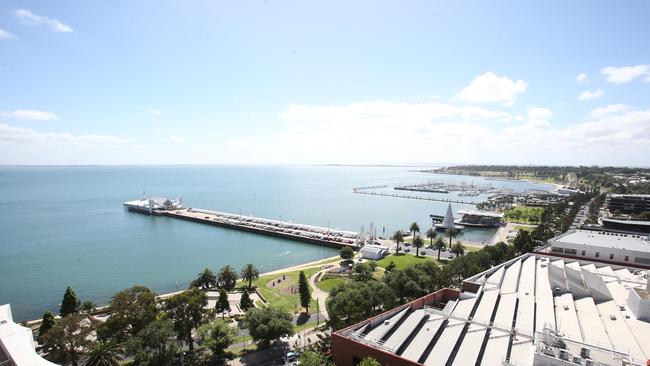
[(627, 258), (597, 254), (611, 256), (583, 252)]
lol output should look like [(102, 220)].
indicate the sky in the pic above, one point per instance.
[(324, 82)]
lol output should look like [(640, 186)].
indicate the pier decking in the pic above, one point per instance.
[(415, 197), (287, 230)]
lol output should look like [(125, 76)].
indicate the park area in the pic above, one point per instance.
[(524, 214)]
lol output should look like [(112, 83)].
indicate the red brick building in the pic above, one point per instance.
[(348, 350)]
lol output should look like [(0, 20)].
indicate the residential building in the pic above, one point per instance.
[(628, 203)]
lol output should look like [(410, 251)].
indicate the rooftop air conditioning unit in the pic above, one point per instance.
[(584, 352)]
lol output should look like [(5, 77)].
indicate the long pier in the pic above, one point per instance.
[(281, 229), (394, 195)]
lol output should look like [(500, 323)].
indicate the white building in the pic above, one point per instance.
[(17, 346), (374, 252), (627, 249), (534, 310)]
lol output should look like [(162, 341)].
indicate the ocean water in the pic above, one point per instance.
[(65, 226)]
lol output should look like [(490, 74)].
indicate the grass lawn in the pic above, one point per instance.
[(328, 284), (402, 260), (524, 214), (279, 296), (524, 228)]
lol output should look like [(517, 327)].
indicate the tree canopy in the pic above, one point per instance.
[(186, 310), (217, 336), (69, 339), (227, 277), (155, 345), (250, 273), (304, 291), (70, 303), (268, 324), (130, 311), (354, 301)]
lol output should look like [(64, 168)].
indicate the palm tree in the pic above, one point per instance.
[(458, 249), (227, 277), (417, 242), (451, 233), (399, 238), (431, 234), (439, 245), (103, 353), (205, 279), (250, 273), (414, 229)]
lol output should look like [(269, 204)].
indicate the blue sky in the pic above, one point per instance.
[(139, 82)]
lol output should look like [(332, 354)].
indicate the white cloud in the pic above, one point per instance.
[(6, 35), (609, 109), (581, 78), (155, 112), (625, 74), (175, 140), (33, 115), (387, 132), (491, 88), (29, 136), (29, 18), (588, 94)]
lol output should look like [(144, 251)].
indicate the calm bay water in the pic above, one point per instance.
[(65, 226)]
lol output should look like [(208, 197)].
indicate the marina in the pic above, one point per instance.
[(287, 230), (394, 195)]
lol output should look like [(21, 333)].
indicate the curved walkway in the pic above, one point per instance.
[(319, 294)]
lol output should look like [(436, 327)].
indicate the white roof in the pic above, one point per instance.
[(18, 341), (585, 301), (603, 239), (480, 213)]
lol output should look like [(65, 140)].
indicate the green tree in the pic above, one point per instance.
[(46, 324), (186, 310), (311, 358), (523, 242), (451, 233), (418, 243), (250, 273), (363, 271), (155, 345), (227, 277), (217, 336), (398, 237), (268, 324), (70, 303), (206, 279), (414, 228), (347, 253), (354, 301), (88, 307), (439, 245), (103, 353), (369, 361), (223, 305), (431, 234), (69, 339), (457, 249), (130, 311), (391, 266), (414, 281), (245, 302), (304, 291)]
